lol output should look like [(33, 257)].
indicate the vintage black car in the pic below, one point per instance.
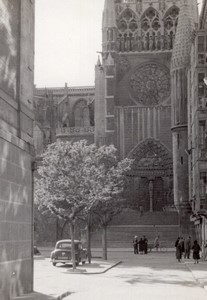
[(62, 253)]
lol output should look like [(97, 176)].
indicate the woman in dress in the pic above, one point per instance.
[(196, 252)]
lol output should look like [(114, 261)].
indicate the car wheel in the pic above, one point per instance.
[(54, 264), (83, 262)]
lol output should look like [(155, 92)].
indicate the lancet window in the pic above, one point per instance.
[(170, 25), (151, 30), (81, 114), (127, 29)]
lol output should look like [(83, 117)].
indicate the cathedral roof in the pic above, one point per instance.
[(188, 17), (109, 15)]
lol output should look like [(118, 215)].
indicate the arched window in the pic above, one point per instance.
[(81, 114), (151, 30), (127, 29), (170, 26)]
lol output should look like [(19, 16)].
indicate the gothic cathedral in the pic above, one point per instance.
[(133, 95), (150, 101)]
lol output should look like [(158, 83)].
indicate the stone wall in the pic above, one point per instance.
[(16, 144), (16, 272)]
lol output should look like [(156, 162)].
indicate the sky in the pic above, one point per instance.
[(67, 37)]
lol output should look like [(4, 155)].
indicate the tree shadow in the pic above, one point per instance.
[(150, 269)]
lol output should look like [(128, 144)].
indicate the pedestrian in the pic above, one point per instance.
[(176, 242), (179, 250), (145, 244), (141, 246), (135, 244), (187, 243), (157, 242), (196, 252)]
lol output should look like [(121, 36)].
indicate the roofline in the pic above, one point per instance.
[(72, 88)]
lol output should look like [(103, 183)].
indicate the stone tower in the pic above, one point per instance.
[(179, 94), (132, 95)]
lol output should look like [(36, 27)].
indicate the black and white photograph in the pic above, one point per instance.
[(103, 149)]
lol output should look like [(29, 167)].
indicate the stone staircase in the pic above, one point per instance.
[(129, 223)]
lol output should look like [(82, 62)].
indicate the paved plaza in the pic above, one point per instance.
[(123, 276)]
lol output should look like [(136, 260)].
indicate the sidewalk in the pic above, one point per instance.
[(55, 287), (199, 272)]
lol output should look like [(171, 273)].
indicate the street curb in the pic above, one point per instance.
[(93, 273), (196, 280), (63, 295), (102, 272)]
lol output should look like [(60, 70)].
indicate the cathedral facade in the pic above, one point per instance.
[(149, 100), (133, 83)]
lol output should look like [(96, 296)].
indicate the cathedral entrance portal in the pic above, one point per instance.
[(150, 183)]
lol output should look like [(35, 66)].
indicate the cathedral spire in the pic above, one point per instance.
[(203, 15), (109, 15), (109, 28), (188, 17)]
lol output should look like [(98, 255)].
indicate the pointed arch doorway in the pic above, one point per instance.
[(150, 181)]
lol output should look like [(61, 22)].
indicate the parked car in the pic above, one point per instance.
[(62, 253)]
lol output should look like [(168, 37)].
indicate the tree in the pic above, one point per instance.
[(110, 200), (75, 177)]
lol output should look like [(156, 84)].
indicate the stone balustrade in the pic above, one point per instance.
[(74, 131)]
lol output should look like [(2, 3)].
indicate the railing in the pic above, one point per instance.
[(74, 131)]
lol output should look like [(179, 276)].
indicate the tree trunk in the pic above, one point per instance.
[(72, 245), (57, 229), (63, 228), (104, 242), (89, 238)]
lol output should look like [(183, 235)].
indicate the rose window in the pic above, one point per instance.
[(150, 84)]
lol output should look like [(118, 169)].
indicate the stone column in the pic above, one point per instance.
[(151, 194)]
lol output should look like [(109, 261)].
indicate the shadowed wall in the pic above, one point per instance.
[(16, 144)]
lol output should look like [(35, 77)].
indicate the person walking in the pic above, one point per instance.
[(141, 246), (145, 244), (157, 242), (187, 243), (179, 248), (135, 244), (196, 252)]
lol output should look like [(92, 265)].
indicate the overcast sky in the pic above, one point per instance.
[(67, 37)]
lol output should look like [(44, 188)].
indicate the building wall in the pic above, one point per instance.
[(197, 135), (56, 115), (16, 119)]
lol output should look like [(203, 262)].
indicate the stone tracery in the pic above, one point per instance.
[(150, 84), (151, 30), (170, 25), (127, 28), (147, 32), (81, 114)]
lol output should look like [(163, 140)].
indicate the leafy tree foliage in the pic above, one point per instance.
[(76, 177)]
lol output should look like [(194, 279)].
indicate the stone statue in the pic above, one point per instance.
[(151, 43)]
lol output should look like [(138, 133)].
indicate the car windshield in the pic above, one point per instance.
[(64, 246)]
